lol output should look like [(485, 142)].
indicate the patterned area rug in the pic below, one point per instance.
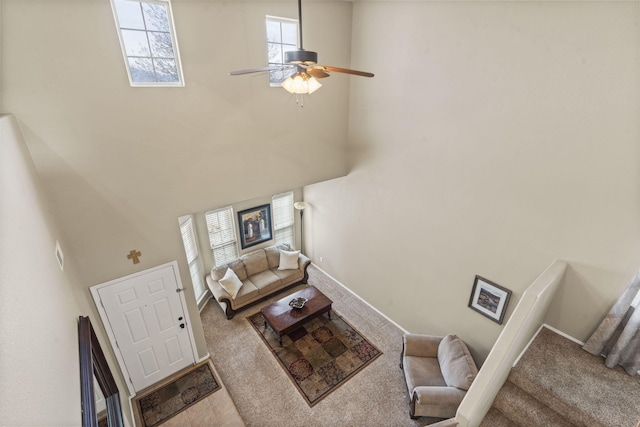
[(319, 356), (173, 398)]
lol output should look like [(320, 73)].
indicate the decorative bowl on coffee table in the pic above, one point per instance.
[(298, 302)]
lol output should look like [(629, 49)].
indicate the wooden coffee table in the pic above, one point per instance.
[(283, 318)]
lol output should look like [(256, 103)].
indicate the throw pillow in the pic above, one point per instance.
[(238, 267), (231, 283), (273, 254), (288, 260), (457, 366)]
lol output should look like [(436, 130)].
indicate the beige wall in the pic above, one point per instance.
[(121, 164), (40, 303), (39, 353), (1, 57), (505, 136)]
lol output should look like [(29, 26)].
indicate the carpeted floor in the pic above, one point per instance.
[(264, 395)]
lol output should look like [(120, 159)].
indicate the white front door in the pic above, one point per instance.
[(147, 318)]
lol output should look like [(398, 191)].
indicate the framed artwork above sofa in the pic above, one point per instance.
[(255, 225)]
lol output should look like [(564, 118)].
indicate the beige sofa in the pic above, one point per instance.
[(257, 274), (438, 372)]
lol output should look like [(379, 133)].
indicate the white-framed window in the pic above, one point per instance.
[(283, 219), (149, 44), (282, 36), (222, 235), (190, 242)]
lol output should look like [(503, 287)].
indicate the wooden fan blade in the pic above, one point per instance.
[(317, 73), (346, 71), (257, 70)]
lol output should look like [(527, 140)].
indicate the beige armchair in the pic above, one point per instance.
[(438, 372)]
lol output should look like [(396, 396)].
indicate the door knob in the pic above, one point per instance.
[(182, 325)]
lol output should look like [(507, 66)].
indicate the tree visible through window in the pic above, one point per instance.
[(148, 42), (282, 36)]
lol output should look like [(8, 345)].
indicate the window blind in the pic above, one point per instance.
[(283, 218), (222, 235), (193, 256), (189, 240)]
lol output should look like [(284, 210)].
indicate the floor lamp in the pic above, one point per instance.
[(300, 208)]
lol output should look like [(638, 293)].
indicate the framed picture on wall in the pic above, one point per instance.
[(489, 299), (255, 225)]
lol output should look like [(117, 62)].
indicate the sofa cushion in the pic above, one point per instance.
[(237, 266), (255, 262), (273, 254), (265, 281), (217, 273), (288, 276), (458, 368), (231, 283), (288, 260), (247, 293), (422, 371)]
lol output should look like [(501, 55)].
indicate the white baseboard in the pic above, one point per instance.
[(202, 359), (362, 299), (567, 336), (204, 301)]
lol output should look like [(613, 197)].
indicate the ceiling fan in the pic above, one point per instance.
[(305, 63)]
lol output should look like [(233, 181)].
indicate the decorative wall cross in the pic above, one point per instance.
[(134, 256)]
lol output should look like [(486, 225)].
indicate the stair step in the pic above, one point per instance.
[(560, 377), (525, 410), (549, 398), (495, 418)]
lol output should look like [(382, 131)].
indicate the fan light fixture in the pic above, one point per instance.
[(308, 71), (301, 83)]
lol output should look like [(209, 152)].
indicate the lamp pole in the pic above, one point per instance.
[(300, 206)]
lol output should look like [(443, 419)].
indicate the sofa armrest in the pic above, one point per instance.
[(421, 345), (218, 291), (303, 261), (438, 395)]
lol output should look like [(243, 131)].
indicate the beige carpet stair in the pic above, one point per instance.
[(495, 418), (529, 410), (556, 383)]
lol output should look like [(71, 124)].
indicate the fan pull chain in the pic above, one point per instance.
[(300, 100)]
